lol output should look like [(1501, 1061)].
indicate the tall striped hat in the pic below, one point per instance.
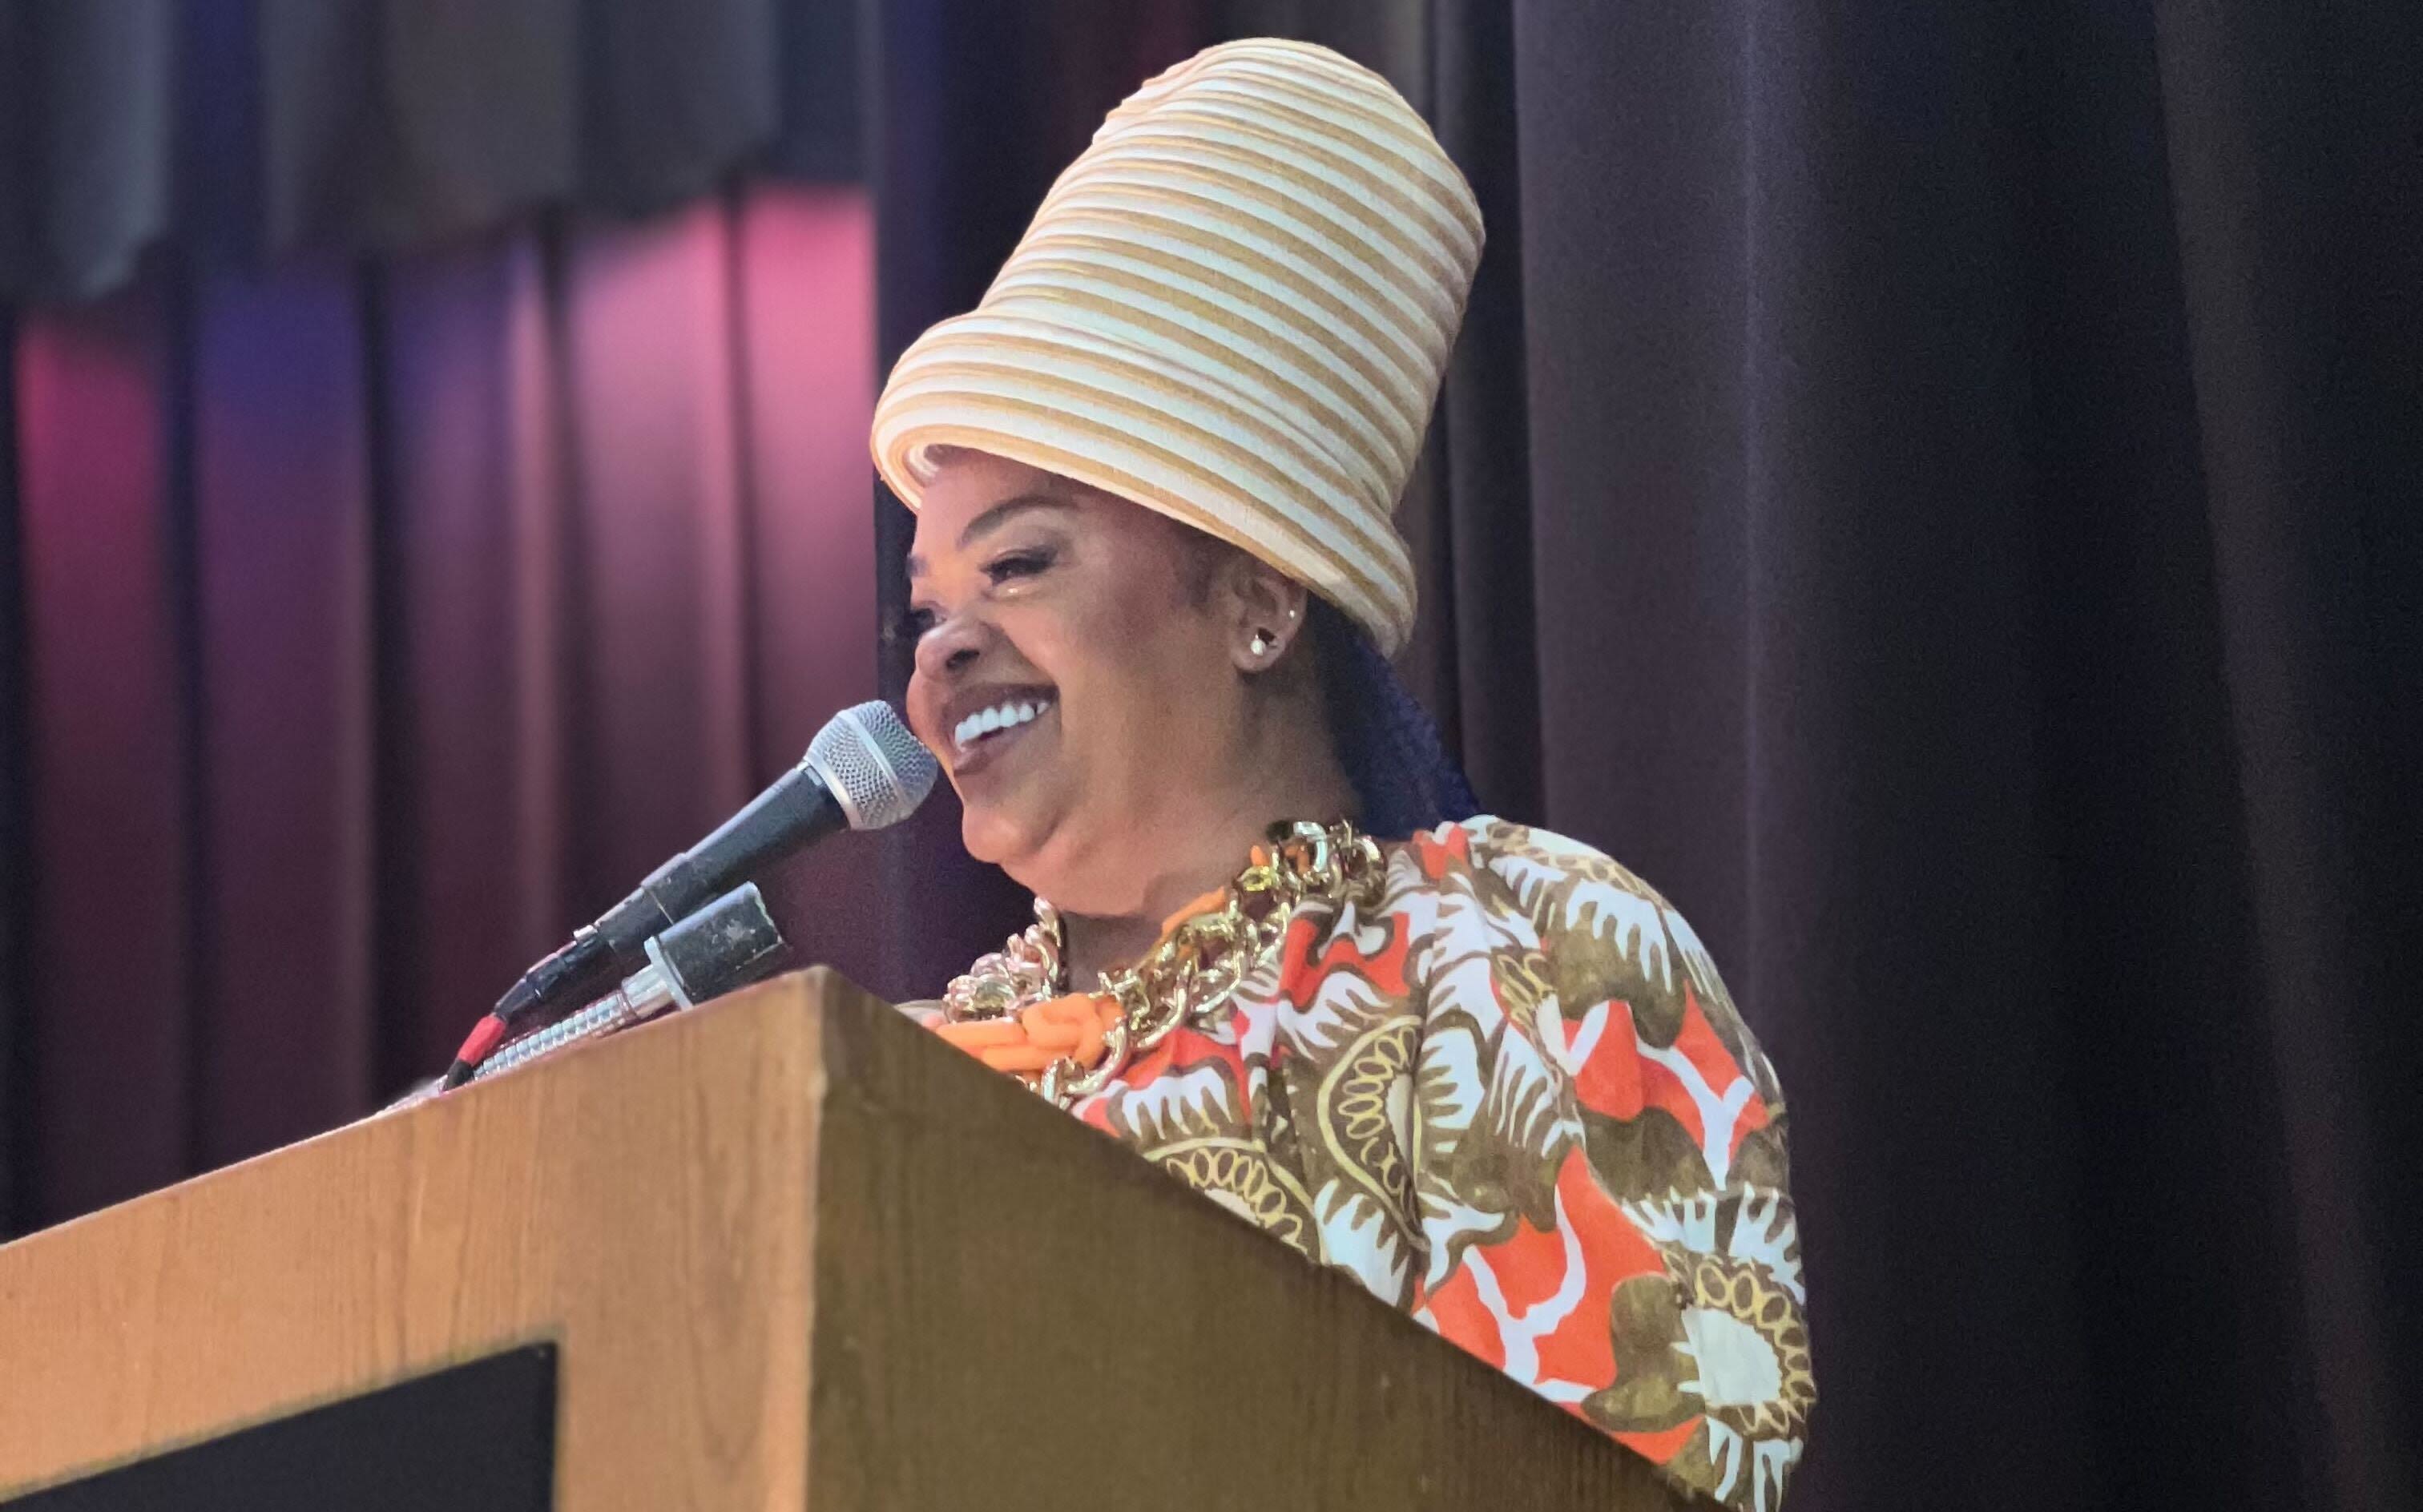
[(1234, 308)]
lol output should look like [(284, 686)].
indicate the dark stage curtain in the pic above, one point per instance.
[(367, 625), (1936, 489), (254, 128)]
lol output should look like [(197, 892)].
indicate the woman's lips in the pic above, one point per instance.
[(983, 736)]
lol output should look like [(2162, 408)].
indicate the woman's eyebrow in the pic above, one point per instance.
[(993, 519), (1007, 510)]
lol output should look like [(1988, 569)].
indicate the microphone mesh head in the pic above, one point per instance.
[(874, 768)]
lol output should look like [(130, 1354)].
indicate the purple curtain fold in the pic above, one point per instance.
[(279, 666), (355, 601), (16, 890), (104, 729)]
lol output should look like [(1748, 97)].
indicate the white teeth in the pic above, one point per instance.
[(999, 717)]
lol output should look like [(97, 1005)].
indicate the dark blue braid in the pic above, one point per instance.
[(1388, 744)]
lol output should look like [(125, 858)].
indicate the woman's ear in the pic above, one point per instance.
[(1263, 609)]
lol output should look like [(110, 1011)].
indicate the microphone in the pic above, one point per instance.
[(864, 771), (722, 947)]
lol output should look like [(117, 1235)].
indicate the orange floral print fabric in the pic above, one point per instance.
[(1515, 1100)]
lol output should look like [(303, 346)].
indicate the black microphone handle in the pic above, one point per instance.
[(571, 973), (724, 946), (793, 812)]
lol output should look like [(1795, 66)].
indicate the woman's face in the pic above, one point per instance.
[(1075, 674)]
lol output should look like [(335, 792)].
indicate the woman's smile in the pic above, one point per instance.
[(986, 723)]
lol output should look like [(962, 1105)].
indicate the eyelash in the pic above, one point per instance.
[(1018, 564), (1001, 569)]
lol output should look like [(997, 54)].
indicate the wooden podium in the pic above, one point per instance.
[(789, 1252)]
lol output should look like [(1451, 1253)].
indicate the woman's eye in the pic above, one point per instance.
[(1018, 564)]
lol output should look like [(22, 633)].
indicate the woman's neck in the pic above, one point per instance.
[(1202, 850)]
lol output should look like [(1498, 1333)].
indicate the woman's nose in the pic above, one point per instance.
[(952, 646)]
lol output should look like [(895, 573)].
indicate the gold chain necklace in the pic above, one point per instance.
[(1190, 977)]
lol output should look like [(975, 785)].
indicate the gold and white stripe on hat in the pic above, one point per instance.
[(1235, 308)]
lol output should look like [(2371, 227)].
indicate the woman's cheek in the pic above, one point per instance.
[(923, 721)]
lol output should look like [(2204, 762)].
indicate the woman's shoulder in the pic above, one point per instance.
[(1593, 927), (1538, 864)]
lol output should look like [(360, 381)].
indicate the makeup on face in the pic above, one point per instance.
[(974, 693), (1068, 677)]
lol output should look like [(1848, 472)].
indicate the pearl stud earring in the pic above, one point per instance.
[(1261, 642)]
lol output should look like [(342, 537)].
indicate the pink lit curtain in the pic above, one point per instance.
[(372, 623)]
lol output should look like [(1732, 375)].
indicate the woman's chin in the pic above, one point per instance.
[(1033, 847), (994, 836)]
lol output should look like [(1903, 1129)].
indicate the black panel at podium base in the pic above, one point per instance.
[(476, 1437)]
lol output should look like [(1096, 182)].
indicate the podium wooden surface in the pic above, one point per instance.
[(793, 1252)]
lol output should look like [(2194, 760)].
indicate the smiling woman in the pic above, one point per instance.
[(1105, 685), (1481, 1068)]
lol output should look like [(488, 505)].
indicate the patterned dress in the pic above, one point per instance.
[(1517, 1101)]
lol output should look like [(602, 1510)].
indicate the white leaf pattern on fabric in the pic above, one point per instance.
[(1695, 956), (1452, 1091), (1685, 1222), (1571, 1048), (1719, 1110), (1358, 1236), (1333, 1020), (1764, 1231), (1181, 1106), (1527, 1099), (1530, 877), (1446, 1220), (1633, 924)]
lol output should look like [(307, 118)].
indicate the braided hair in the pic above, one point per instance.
[(1390, 748), (1403, 778)]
